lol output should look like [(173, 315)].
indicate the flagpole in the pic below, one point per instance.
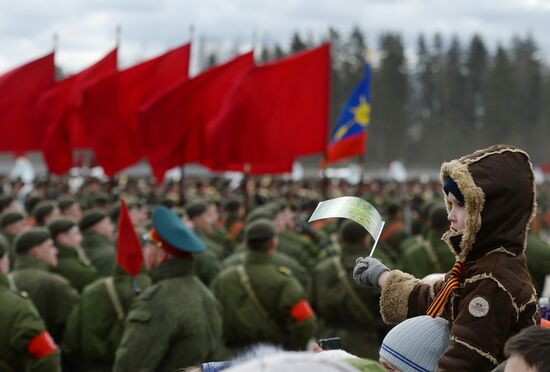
[(244, 185), (363, 156)]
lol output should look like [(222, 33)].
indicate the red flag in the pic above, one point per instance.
[(129, 255), (172, 126), (111, 105), (19, 90), (56, 115), (275, 113)]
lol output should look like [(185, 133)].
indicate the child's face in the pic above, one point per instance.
[(457, 215)]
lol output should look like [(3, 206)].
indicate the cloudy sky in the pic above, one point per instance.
[(86, 28)]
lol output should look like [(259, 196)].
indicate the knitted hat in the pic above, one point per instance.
[(65, 201), (5, 200), (352, 232), (59, 226), (7, 218), (195, 208), (416, 344), (261, 229), (30, 239), (450, 186), (90, 218), (42, 209)]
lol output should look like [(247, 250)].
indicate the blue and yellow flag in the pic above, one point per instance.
[(350, 135)]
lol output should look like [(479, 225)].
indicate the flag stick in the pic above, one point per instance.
[(244, 185), (377, 238)]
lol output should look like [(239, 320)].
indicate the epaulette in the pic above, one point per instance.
[(285, 270), (150, 292)]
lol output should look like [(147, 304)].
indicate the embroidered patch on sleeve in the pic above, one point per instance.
[(478, 307)]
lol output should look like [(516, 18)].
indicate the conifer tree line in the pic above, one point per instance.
[(453, 98)]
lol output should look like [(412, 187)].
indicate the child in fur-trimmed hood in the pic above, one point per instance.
[(488, 295)]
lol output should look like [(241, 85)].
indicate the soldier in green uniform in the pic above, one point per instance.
[(12, 224), (25, 344), (234, 219), (72, 262), (45, 211), (429, 254), (347, 310), (69, 207), (260, 301), (98, 236), (176, 322), (96, 324), (53, 295), (7, 203), (538, 259)]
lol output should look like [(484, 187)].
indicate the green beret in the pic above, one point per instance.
[(232, 205), (30, 202), (42, 209), (31, 238), (196, 208), (65, 201), (5, 200), (59, 226), (257, 214), (352, 232), (261, 229), (4, 246), (90, 218), (101, 198), (10, 217)]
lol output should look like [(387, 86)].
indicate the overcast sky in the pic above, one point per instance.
[(86, 28)]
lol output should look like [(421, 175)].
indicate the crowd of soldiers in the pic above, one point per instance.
[(235, 269)]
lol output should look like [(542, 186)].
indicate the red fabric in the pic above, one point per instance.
[(129, 255), (42, 345), (56, 116), (167, 246), (19, 90), (275, 113), (545, 323), (346, 148), (302, 311), (173, 125), (111, 105)]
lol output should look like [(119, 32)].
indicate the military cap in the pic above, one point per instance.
[(59, 226), (65, 201), (5, 200), (10, 217), (90, 218), (352, 232), (232, 205), (260, 229), (101, 198), (196, 208), (175, 233), (4, 246), (42, 209), (30, 202), (257, 214), (31, 238)]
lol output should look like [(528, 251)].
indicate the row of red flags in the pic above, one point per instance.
[(233, 116)]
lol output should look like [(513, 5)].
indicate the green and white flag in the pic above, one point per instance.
[(355, 209)]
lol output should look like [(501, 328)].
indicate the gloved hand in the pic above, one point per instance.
[(367, 271)]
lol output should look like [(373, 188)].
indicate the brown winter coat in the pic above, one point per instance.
[(496, 298)]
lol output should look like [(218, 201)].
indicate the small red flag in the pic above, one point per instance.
[(129, 255)]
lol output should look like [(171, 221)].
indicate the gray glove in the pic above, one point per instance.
[(367, 271)]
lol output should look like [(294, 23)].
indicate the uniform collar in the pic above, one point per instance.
[(30, 262), (258, 258), (4, 283), (180, 266)]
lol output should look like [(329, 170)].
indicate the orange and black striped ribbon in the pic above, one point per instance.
[(453, 282)]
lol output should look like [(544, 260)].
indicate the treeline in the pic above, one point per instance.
[(445, 99)]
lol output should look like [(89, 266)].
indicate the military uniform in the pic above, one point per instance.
[(261, 302), (176, 322), (538, 260), (25, 345), (53, 295), (100, 251), (96, 324), (74, 266), (427, 255)]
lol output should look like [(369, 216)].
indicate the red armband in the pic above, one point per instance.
[(42, 345), (302, 311)]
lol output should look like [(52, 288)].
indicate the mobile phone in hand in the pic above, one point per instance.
[(330, 343)]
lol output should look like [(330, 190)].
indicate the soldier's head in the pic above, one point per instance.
[(13, 223), (136, 212), (350, 232), (437, 218), (234, 207), (260, 236), (37, 243), (70, 208), (45, 211), (282, 216), (4, 256), (199, 215), (7, 203), (169, 239), (65, 232), (95, 221)]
